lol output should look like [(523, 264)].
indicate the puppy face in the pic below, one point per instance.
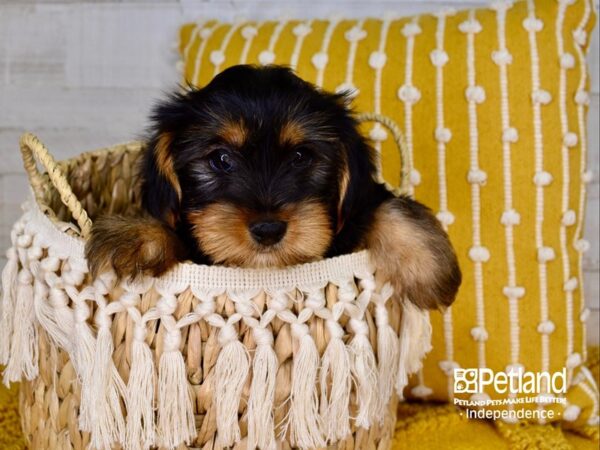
[(253, 169)]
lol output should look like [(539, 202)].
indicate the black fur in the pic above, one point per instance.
[(264, 99)]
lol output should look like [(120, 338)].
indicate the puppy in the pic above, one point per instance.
[(260, 169)]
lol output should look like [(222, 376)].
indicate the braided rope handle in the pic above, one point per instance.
[(33, 150), (400, 143)]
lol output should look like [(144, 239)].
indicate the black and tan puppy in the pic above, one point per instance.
[(260, 169)]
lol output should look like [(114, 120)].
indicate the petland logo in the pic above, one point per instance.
[(473, 381)]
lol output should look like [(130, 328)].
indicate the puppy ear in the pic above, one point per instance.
[(356, 185), (161, 192)]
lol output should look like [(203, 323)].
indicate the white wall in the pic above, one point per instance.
[(82, 74)]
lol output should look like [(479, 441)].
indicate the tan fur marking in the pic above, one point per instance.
[(292, 133), (343, 188), (415, 256), (132, 246), (407, 241), (222, 233), (234, 133), (164, 161)]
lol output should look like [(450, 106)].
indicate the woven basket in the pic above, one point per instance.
[(312, 356)]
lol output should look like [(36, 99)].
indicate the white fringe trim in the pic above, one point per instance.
[(23, 357), (140, 430), (388, 353), (364, 371), (44, 285), (107, 424), (9, 294), (336, 382), (261, 428), (176, 423), (304, 409), (415, 343), (230, 374)]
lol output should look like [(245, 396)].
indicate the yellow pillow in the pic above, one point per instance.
[(493, 104)]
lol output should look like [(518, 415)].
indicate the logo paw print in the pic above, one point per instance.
[(465, 381)]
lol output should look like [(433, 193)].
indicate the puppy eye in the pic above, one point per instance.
[(221, 161), (301, 159)]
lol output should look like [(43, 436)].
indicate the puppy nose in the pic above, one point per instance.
[(268, 232)]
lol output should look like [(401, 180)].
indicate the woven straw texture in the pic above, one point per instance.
[(493, 104), (311, 356), (420, 426)]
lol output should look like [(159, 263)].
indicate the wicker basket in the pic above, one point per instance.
[(313, 356)]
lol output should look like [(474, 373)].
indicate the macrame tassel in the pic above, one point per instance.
[(405, 343), (83, 348), (231, 371), (388, 353), (335, 371), (423, 343), (140, 432), (364, 370), (52, 313), (23, 358), (304, 409), (52, 305), (176, 423), (415, 343), (261, 428), (9, 283), (106, 418)]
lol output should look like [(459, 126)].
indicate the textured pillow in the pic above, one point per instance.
[(493, 104)]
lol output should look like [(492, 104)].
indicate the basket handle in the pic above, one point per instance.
[(400, 143), (33, 150)]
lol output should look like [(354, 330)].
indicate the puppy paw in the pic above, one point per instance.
[(412, 251), (132, 247)]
